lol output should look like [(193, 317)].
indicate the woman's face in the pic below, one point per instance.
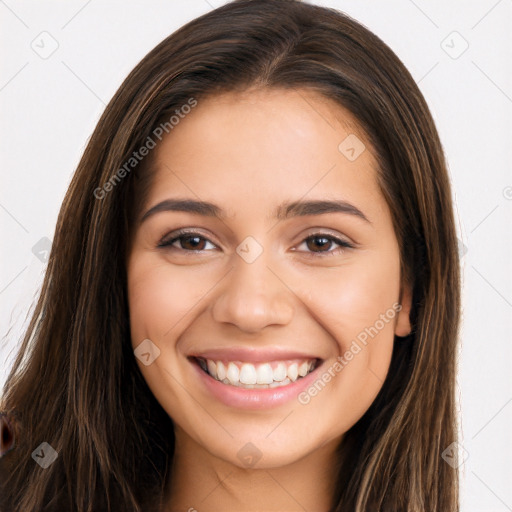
[(291, 303)]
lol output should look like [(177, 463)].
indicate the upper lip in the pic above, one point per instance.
[(251, 355)]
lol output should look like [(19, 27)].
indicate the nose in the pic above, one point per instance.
[(253, 297)]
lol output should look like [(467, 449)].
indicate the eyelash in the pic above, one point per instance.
[(167, 244)]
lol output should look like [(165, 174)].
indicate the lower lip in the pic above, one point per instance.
[(243, 398)]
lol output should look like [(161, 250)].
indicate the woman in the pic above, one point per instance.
[(194, 346)]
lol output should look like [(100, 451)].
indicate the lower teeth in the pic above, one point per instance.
[(274, 384), (239, 384)]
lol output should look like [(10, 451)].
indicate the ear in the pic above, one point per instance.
[(403, 322)]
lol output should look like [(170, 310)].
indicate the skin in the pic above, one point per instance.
[(247, 153)]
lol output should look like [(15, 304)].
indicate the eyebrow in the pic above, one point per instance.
[(284, 211)]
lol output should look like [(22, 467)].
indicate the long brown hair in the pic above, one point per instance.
[(75, 383)]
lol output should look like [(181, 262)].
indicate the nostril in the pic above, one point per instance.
[(6, 434)]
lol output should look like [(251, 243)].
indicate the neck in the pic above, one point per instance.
[(202, 482)]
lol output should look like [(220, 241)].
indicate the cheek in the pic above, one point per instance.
[(356, 305), (161, 298), (352, 297)]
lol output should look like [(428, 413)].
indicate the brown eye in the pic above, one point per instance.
[(187, 241), (321, 244), (318, 243), (192, 242)]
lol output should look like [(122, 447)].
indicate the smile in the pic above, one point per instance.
[(265, 375)]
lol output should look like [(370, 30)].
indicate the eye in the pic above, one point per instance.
[(319, 241), (189, 240), (318, 244)]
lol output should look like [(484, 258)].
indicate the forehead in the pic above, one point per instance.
[(251, 148)]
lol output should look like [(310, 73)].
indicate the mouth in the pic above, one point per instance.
[(262, 375)]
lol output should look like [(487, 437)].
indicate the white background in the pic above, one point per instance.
[(50, 106)]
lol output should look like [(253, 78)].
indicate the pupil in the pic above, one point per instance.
[(319, 245), (194, 244)]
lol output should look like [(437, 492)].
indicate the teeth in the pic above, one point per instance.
[(221, 370), (248, 374), (233, 374), (263, 376), (293, 372), (212, 368), (280, 372), (303, 369), (279, 384)]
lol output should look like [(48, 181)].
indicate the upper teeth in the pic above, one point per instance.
[(272, 374)]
